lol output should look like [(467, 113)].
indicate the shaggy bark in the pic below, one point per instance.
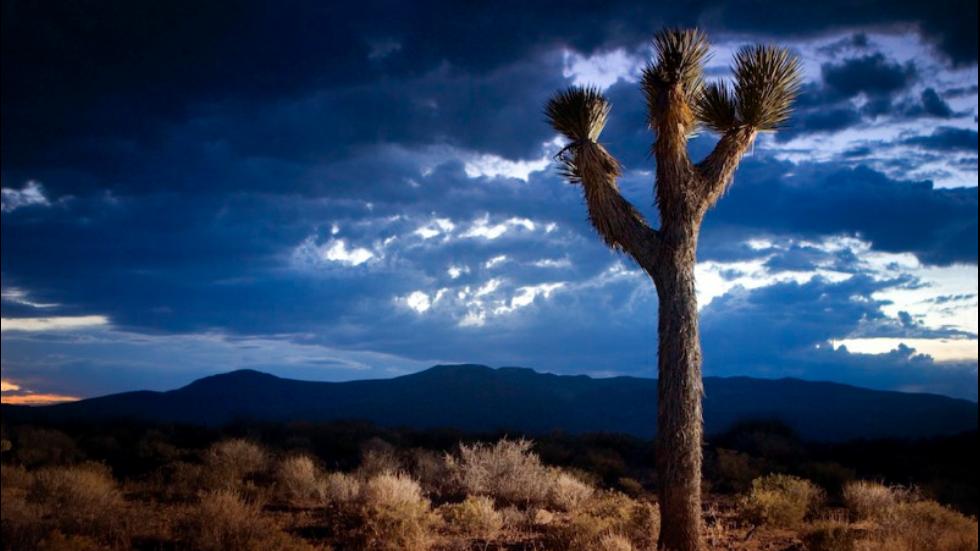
[(679, 417)]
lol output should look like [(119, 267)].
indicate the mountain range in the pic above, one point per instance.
[(520, 400)]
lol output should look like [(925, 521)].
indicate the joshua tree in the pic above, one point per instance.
[(678, 101)]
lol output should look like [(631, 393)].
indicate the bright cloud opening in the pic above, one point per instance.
[(31, 194), (941, 350), (54, 323), (418, 301)]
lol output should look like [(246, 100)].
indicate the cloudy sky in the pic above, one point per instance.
[(358, 190)]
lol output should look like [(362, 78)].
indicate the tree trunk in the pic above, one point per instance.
[(679, 420)]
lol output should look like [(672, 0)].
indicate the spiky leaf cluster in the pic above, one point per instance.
[(681, 54), (579, 113), (716, 107), (767, 79)]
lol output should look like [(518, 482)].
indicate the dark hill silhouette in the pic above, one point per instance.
[(479, 398)]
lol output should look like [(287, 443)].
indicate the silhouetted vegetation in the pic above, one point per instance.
[(358, 486)]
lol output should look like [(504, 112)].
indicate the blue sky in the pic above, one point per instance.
[(340, 192)]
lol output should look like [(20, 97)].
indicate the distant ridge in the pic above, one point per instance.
[(480, 398)]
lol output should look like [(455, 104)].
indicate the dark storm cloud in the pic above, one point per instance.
[(938, 225), (88, 82), (947, 139), (872, 74), (829, 120), (826, 106), (934, 105)]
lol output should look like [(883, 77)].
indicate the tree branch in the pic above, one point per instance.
[(717, 168), (617, 221)]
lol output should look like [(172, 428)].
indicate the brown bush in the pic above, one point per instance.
[(38, 446), (228, 463), (922, 525), (81, 500), (475, 517), (614, 542), (15, 477), (20, 521), (507, 471), (298, 480), (378, 457), (224, 520), (433, 474), (871, 500), (340, 488), (389, 513), (829, 535), (565, 492), (183, 481), (56, 541), (605, 515), (736, 470), (780, 500)]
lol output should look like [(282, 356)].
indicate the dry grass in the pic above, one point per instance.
[(780, 500)]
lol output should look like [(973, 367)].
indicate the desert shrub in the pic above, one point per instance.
[(606, 514), (224, 520), (507, 471), (182, 480), (340, 488), (432, 472), (56, 541), (21, 524), (828, 475), (298, 479), (614, 542), (736, 470), (15, 476), (474, 517), (630, 486), (515, 519), (81, 500), (780, 500), (35, 447), (378, 457), (390, 513), (923, 525), (828, 535), (566, 492), (229, 462), (872, 500)]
